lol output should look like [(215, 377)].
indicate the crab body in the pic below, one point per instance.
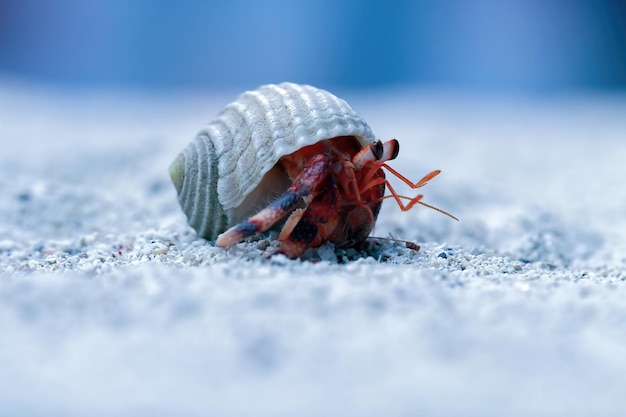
[(342, 198), (286, 152)]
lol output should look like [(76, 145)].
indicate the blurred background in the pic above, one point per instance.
[(516, 45)]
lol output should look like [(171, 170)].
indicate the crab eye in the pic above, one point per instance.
[(396, 149), (378, 149)]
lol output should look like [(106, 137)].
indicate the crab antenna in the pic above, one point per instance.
[(438, 209), (404, 197)]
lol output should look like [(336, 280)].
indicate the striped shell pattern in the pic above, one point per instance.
[(230, 169)]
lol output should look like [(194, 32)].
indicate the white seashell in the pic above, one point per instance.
[(230, 169)]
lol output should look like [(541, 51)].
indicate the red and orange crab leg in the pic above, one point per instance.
[(368, 159), (390, 151), (310, 227), (417, 199), (314, 174)]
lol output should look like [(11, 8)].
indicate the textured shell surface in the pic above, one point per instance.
[(218, 175)]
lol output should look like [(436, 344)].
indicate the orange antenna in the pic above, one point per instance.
[(438, 209), (418, 201), (408, 182), (415, 200)]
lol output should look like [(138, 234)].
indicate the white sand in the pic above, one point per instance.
[(110, 306)]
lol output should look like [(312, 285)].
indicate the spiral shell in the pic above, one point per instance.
[(230, 169)]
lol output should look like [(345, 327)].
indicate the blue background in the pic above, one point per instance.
[(517, 45)]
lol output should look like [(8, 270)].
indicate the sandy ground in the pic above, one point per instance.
[(110, 305)]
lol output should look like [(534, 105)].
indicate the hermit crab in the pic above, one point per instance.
[(291, 152)]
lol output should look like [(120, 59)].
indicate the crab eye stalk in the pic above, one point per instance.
[(373, 152), (392, 149)]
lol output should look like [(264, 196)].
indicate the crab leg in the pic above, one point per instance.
[(314, 173), (312, 226), (390, 151), (408, 182), (370, 159)]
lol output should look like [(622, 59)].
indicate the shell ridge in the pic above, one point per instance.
[(293, 103), (197, 197), (221, 133), (317, 107), (208, 168), (256, 158), (234, 126), (193, 162)]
